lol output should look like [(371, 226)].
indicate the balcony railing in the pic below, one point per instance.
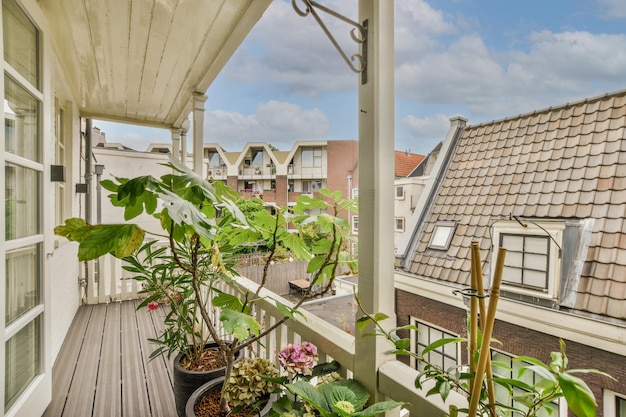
[(395, 379)]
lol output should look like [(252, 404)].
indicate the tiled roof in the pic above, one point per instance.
[(567, 162), (406, 163)]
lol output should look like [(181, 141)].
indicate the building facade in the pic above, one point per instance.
[(550, 188)]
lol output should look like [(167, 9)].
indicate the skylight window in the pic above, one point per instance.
[(442, 235)]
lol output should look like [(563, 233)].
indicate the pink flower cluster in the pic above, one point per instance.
[(298, 359), (153, 305)]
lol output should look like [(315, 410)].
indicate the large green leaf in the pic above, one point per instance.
[(579, 397), (182, 211), (94, 241), (360, 393), (224, 300), (309, 394), (296, 244), (240, 325), (378, 408)]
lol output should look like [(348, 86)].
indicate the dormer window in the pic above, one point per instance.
[(532, 266)]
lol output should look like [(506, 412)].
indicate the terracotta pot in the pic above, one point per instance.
[(217, 384), (186, 381)]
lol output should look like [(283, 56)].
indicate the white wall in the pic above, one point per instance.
[(127, 164), (404, 207)]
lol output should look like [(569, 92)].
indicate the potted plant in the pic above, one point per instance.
[(476, 380), (203, 230), (250, 389), (319, 390)]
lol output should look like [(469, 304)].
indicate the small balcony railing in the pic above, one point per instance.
[(395, 379)]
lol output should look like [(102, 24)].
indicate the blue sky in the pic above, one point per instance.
[(480, 59)]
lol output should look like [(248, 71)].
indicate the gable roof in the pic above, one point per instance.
[(406, 162), (566, 162)]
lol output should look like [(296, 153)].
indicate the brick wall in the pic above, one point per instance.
[(518, 340)]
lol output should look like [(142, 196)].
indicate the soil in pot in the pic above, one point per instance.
[(187, 381), (205, 402)]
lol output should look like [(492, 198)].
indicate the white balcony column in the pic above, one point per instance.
[(176, 144), (376, 174), (184, 128), (198, 131)]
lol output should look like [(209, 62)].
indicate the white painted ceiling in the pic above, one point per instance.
[(140, 61)]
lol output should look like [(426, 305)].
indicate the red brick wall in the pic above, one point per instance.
[(281, 190), (343, 156), (518, 340)]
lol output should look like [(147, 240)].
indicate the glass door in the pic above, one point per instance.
[(21, 159)]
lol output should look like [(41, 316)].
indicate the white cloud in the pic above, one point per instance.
[(557, 67), (431, 127), (614, 8), (293, 53), (276, 122)]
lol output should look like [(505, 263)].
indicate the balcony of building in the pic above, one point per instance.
[(104, 369)]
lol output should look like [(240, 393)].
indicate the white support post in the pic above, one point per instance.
[(376, 173), (176, 144), (198, 131)]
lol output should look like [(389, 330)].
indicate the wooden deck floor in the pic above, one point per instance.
[(103, 367)]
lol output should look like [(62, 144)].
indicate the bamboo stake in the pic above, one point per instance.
[(480, 292), (487, 332), (473, 324)]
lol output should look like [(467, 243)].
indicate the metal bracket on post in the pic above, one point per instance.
[(359, 38)]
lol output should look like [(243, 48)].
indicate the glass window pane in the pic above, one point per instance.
[(22, 201), (535, 279), (441, 235), (449, 363), (22, 281), (307, 158), (20, 42), (537, 244), (450, 349), (21, 361), (514, 259), (539, 262), (621, 407), (512, 275), (422, 335), (21, 121), (435, 358), (513, 243)]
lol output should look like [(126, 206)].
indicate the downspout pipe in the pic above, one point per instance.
[(88, 170)]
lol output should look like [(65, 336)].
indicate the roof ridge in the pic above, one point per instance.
[(551, 108)]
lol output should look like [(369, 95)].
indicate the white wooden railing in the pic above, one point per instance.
[(395, 379)]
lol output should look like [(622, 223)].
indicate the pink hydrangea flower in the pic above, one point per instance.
[(153, 305), (298, 359)]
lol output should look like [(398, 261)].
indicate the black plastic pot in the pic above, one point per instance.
[(186, 381), (217, 384)]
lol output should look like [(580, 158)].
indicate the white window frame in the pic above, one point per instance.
[(61, 139), (355, 223), (553, 230), (402, 222), (440, 350), (399, 192), (609, 403), (316, 157), (355, 193)]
